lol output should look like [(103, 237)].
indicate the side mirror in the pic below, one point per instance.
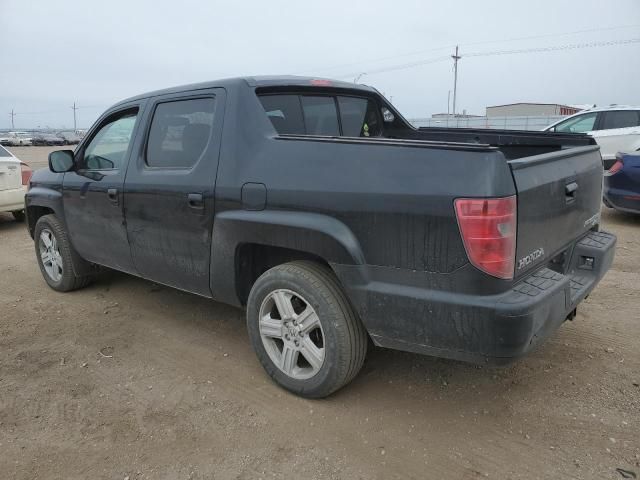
[(61, 161)]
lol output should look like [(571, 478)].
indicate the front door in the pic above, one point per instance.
[(93, 192), (169, 189)]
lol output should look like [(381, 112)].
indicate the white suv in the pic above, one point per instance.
[(14, 179), (615, 128)]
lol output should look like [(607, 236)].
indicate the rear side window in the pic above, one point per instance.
[(180, 132), (320, 115), (285, 113), (620, 119)]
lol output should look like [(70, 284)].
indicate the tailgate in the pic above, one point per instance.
[(559, 199), (10, 174)]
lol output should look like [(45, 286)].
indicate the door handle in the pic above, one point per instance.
[(195, 200), (112, 193), (570, 190)]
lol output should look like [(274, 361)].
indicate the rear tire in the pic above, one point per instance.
[(18, 215), (318, 344), (54, 254)]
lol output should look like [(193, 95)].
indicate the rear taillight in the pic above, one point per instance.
[(26, 173), (488, 228), (616, 167)]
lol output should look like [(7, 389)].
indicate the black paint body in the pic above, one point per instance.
[(379, 211)]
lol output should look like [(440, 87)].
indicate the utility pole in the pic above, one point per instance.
[(455, 57), (13, 114), (75, 126)]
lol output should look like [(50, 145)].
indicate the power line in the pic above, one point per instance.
[(556, 48), (483, 42), (498, 52)]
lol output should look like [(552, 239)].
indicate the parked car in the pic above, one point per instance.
[(615, 128), (622, 184), (14, 178), (70, 138), (16, 139), (48, 139), (317, 207)]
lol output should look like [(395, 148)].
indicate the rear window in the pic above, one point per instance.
[(620, 119), (318, 115), (285, 113), (4, 152), (359, 117)]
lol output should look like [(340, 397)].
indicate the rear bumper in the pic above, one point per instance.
[(621, 199), (481, 329), (12, 200)]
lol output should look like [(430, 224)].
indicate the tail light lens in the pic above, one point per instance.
[(616, 167), (488, 229), (26, 173)]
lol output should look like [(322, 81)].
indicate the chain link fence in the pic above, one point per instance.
[(503, 123)]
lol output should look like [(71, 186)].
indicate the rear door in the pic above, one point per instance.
[(559, 199), (93, 201), (169, 189)]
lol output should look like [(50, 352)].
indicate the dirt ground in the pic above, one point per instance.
[(130, 380)]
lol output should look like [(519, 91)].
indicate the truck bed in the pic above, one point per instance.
[(512, 143)]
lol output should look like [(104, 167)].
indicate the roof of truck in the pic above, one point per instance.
[(255, 81)]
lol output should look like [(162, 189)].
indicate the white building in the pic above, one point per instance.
[(531, 109)]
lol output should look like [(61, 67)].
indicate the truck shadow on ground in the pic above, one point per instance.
[(391, 374)]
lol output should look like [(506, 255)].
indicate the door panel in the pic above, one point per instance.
[(93, 200), (169, 190)]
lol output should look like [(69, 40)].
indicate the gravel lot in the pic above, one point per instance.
[(129, 379)]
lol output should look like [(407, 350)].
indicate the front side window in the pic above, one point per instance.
[(620, 119), (108, 147), (180, 132), (320, 115), (580, 124)]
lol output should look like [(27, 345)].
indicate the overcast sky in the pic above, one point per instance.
[(96, 53)]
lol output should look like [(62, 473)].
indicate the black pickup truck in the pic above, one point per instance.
[(314, 205)]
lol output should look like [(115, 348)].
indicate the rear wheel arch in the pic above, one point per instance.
[(254, 259), (247, 243)]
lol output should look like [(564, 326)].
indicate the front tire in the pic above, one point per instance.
[(54, 254), (303, 329)]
